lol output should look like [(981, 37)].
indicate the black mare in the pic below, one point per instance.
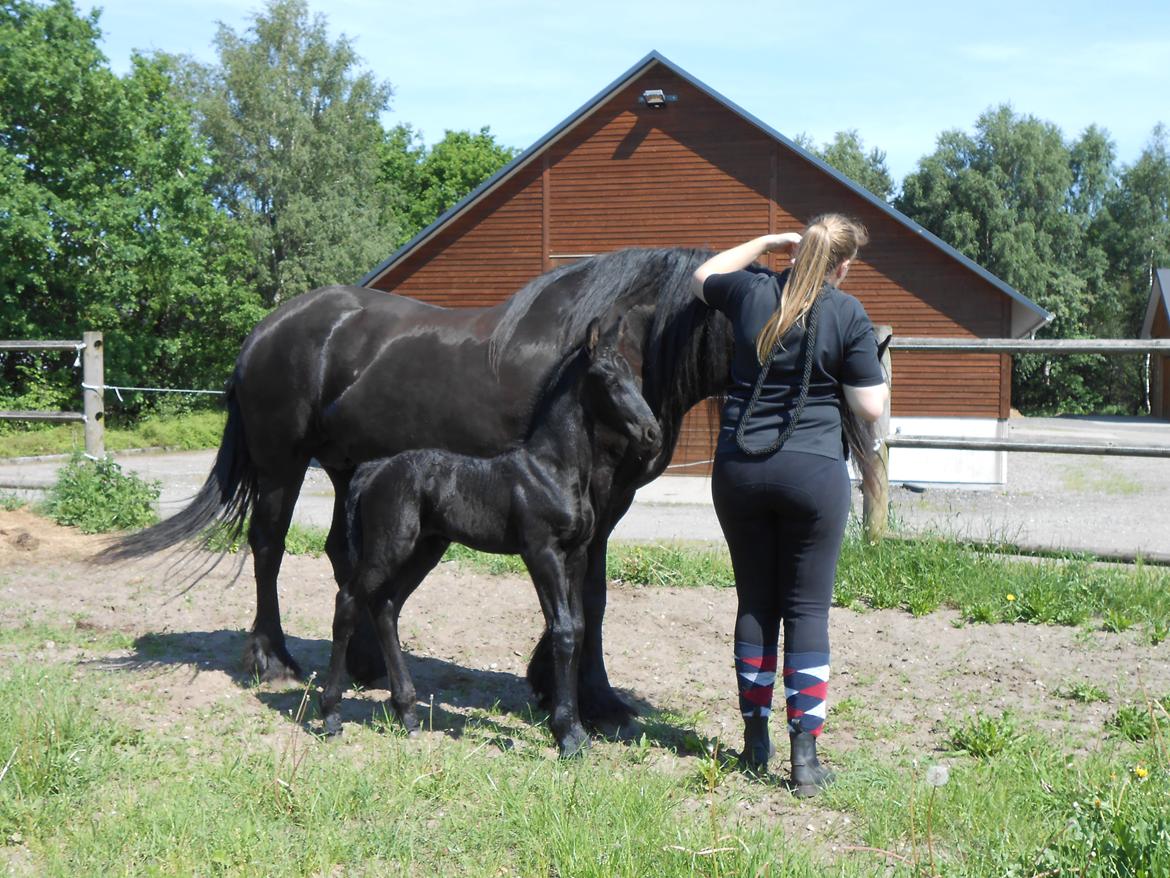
[(348, 374), (403, 512)]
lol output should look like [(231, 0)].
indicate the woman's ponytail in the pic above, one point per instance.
[(829, 240)]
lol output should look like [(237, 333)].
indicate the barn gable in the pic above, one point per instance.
[(728, 150), (699, 171)]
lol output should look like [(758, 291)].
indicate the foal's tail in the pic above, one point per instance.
[(219, 509)]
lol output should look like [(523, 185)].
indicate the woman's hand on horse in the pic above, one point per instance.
[(786, 241)]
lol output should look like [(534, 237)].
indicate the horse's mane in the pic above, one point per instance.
[(687, 351)]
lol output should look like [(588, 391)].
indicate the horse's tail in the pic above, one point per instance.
[(220, 508), (864, 440)]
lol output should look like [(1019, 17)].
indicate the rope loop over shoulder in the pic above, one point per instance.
[(810, 339)]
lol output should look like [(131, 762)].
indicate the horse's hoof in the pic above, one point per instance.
[(333, 725), (605, 710), (269, 665), (410, 722), (574, 744)]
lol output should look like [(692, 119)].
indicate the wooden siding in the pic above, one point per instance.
[(482, 257), (691, 174), (696, 174)]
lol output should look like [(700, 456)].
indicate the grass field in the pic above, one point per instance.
[(92, 784), (186, 432), (100, 775)]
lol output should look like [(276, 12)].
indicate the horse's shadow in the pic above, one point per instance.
[(451, 696)]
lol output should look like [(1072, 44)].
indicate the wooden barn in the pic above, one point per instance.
[(1157, 325), (657, 158)]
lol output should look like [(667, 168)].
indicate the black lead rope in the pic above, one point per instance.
[(810, 339)]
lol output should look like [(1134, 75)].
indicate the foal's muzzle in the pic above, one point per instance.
[(651, 439)]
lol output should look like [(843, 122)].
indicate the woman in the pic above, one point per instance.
[(803, 349)]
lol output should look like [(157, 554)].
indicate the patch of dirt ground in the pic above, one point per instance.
[(898, 681)]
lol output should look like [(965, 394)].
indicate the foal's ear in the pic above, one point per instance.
[(592, 336), (883, 344)]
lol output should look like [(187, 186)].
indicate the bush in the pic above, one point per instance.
[(97, 497)]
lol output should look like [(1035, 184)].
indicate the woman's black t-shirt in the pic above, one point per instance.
[(846, 353)]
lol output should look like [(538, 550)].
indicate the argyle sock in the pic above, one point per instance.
[(755, 672), (806, 685)]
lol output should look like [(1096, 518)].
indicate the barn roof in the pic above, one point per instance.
[(1027, 316), (1159, 292)]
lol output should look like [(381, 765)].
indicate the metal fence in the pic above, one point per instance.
[(876, 504), (90, 352)]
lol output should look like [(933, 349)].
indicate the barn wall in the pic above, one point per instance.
[(696, 174), (482, 257)]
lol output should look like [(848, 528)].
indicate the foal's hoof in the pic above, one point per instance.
[(333, 726)]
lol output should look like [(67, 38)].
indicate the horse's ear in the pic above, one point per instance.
[(883, 344), (592, 336)]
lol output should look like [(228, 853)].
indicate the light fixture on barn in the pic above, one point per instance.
[(656, 98)]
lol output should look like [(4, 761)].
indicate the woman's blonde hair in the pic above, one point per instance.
[(829, 240)]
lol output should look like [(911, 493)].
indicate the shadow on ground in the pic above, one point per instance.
[(460, 695)]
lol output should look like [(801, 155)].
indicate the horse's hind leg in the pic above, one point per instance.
[(410, 574), (363, 658), (266, 655)]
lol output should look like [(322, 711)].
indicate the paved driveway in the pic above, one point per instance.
[(1090, 503)]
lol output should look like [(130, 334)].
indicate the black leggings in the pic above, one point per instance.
[(784, 519)]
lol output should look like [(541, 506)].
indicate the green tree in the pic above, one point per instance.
[(293, 126), (1132, 227), (422, 183), (107, 224), (1019, 200), (846, 152)]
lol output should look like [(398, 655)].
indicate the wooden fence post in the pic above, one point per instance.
[(93, 375), (875, 508)]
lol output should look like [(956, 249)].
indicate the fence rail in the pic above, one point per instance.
[(875, 508), (35, 345), (898, 441), (1033, 346), (90, 349)]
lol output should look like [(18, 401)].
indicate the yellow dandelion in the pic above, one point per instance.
[(1011, 597), (1141, 772)]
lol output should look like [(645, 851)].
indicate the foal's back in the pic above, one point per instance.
[(495, 504)]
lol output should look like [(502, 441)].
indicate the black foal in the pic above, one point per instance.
[(534, 501)]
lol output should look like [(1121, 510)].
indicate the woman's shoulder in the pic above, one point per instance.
[(844, 303)]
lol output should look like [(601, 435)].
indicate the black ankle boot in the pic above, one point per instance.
[(757, 747), (809, 777)]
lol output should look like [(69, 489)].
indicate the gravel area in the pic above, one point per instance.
[(1075, 502)]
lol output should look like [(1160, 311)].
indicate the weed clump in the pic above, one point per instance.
[(97, 497)]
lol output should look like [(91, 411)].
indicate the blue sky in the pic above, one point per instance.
[(897, 72)]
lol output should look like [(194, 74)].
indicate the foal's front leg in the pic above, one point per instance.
[(345, 614), (560, 600)]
